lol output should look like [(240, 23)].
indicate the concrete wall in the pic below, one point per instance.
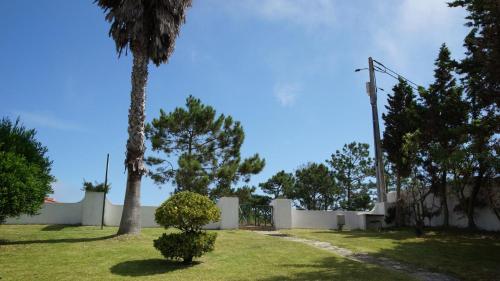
[(287, 217), (484, 217), (53, 213), (282, 213), (89, 212)]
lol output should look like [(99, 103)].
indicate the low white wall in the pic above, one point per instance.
[(52, 213), (89, 212), (484, 217), (314, 219)]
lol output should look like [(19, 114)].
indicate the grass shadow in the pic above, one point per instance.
[(148, 267), (334, 268), (54, 241), (54, 227), (471, 256)]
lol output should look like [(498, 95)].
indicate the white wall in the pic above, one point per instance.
[(484, 217), (229, 207), (314, 219), (52, 213), (89, 212), (282, 213)]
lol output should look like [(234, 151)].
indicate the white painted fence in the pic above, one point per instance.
[(89, 212)]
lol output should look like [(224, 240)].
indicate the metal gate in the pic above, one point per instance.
[(256, 216)]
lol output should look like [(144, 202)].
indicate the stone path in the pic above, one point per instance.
[(418, 273)]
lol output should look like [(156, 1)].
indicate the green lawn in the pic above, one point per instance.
[(466, 256), (88, 253)]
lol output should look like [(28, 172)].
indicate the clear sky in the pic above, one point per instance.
[(284, 68)]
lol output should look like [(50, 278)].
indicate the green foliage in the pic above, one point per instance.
[(95, 187), (246, 196), (185, 245), (187, 211), (207, 146), (315, 188), (25, 178), (279, 185), (353, 169), (148, 26), (481, 80), (400, 119)]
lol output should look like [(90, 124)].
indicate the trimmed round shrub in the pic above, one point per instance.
[(185, 245), (189, 212)]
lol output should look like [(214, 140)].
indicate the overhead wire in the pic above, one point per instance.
[(384, 69)]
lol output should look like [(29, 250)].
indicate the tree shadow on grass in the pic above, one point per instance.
[(54, 241), (55, 227), (471, 256), (335, 268), (148, 267)]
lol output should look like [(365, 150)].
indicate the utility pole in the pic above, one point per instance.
[(379, 164), (105, 191)]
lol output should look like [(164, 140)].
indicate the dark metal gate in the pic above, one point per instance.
[(256, 216)]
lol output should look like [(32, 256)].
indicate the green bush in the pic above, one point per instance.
[(185, 245), (95, 187), (189, 212), (25, 171)]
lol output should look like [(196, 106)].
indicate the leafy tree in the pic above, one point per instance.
[(481, 79), (279, 185), (25, 178), (188, 212), (399, 120), (207, 148), (246, 196), (149, 30), (315, 187), (443, 118), (353, 167)]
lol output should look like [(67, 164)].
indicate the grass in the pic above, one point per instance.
[(88, 253), (467, 256)]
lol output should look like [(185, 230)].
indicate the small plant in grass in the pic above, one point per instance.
[(188, 212)]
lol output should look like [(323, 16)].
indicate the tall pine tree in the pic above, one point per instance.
[(400, 119), (206, 147), (443, 116), (481, 79)]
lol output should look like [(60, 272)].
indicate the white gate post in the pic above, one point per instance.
[(282, 213)]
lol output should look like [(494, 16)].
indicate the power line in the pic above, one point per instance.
[(384, 69)]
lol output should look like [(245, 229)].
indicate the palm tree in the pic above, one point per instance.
[(148, 28)]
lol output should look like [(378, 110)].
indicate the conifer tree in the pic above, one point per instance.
[(279, 185), (481, 79), (400, 120), (207, 149), (443, 117)]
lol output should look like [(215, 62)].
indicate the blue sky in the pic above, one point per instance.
[(284, 68)]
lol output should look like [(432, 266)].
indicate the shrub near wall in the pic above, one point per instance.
[(189, 212)]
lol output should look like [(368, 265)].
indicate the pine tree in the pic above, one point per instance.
[(353, 168), (481, 71), (443, 117), (279, 185), (400, 119), (207, 148)]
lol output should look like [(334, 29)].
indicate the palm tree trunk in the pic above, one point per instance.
[(131, 216)]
